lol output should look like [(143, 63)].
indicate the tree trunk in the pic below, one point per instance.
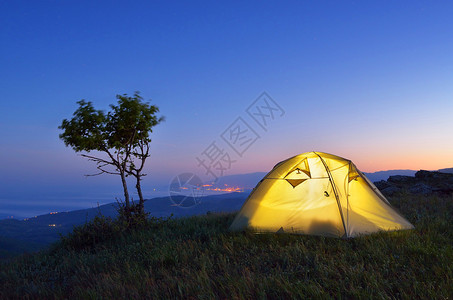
[(141, 203), (126, 192)]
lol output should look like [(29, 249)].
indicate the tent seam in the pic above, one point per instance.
[(334, 188)]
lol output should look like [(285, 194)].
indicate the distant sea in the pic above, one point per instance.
[(25, 206)]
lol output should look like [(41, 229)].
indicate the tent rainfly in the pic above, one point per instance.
[(318, 194)]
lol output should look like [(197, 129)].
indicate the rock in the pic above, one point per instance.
[(382, 184), (430, 175), (400, 179), (422, 174), (423, 183), (421, 188), (390, 190)]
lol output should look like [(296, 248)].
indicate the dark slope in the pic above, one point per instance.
[(30, 234)]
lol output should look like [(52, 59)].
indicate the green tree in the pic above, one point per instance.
[(121, 138)]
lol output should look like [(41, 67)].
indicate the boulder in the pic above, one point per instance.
[(382, 184), (391, 190), (423, 183), (421, 188), (400, 179), (433, 175)]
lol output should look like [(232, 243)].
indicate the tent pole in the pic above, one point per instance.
[(334, 188)]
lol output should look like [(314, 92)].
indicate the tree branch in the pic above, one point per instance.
[(142, 153), (111, 157), (103, 171), (97, 159)]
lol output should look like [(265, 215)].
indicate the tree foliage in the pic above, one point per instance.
[(86, 130), (122, 135)]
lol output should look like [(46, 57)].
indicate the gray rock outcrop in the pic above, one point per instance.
[(423, 183)]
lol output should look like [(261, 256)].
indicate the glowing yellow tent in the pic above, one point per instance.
[(320, 194)]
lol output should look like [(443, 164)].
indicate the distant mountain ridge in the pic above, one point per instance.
[(384, 175), (250, 180)]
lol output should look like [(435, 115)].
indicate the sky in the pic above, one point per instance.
[(371, 81)]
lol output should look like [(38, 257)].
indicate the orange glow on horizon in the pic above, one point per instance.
[(229, 189), (368, 162), (209, 187)]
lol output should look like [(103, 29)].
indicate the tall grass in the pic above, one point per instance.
[(198, 258)]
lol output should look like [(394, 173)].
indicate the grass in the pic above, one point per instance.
[(197, 258)]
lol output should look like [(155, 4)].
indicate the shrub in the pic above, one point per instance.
[(105, 229), (131, 217), (96, 231)]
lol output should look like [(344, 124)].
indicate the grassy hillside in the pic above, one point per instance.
[(197, 257)]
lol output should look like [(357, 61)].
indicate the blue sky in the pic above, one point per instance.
[(368, 80)]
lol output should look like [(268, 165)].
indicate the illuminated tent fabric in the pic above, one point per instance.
[(320, 194)]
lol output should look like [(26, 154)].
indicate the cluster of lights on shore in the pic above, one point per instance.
[(210, 187)]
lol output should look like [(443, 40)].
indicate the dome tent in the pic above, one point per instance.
[(320, 194)]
